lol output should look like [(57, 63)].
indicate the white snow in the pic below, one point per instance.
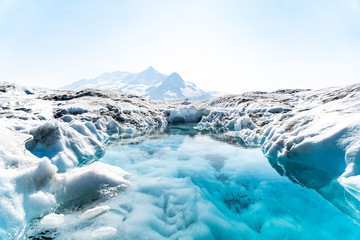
[(103, 232), (191, 91), (150, 83), (170, 94), (91, 182), (185, 115), (49, 139), (52, 221), (66, 145), (310, 136), (94, 212)]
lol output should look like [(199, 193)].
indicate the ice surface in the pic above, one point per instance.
[(185, 115), (316, 130), (103, 232), (52, 221), (96, 181), (65, 145), (94, 212), (50, 139), (32, 185), (184, 188)]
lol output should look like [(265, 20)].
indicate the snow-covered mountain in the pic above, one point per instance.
[(149, 83)]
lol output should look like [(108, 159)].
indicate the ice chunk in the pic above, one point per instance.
[(185, 115), (52, 221), (103, 232), (38, 203), (94, 212), (243, 123), (93, 182), (66, 146)]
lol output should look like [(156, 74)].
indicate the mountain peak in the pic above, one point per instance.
[(175, 77), (149, 82), (175, 74), (150, 69)]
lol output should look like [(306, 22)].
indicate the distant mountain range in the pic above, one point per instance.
[(149, 83)]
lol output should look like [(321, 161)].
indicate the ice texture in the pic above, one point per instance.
[(31, 187), (52, 138), (312, 137), (66, 145), (185, 188)]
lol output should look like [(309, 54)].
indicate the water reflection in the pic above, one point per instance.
[(138, 137), (217, 161), (323, 182), (188, 129)]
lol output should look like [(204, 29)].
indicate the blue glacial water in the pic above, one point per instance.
[(191, 186)]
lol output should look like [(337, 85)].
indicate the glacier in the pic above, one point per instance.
[(52, 140), (184, 187)]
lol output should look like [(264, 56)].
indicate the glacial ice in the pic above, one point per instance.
[(183, 187), (50, 141), (185, 115), (52, 221), (66, 145)]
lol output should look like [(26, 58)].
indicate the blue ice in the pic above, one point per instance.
[(195, 187)]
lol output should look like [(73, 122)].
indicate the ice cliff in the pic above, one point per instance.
[(50, 141)]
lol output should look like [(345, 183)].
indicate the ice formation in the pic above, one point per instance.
[(50, 141), (185, 188)]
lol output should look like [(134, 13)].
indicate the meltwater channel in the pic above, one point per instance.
[(187, 185)]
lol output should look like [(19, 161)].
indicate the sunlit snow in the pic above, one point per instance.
[(101, 164)]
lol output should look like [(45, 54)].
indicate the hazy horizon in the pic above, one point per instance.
[(229, 46)]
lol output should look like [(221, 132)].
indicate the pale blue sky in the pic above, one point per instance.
[(226, 45)]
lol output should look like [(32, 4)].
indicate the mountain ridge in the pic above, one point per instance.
[(149, 83)]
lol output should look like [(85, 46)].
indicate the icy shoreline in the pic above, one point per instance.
[(47, 134)]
